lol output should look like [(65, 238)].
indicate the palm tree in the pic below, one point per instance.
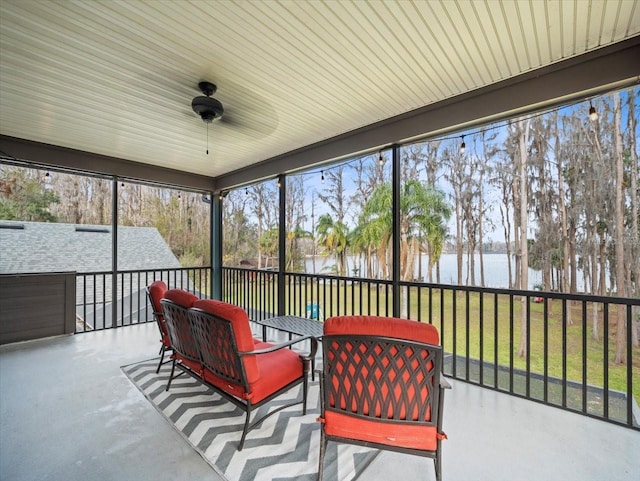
[(423, 212), (375, 224), (333, 236)]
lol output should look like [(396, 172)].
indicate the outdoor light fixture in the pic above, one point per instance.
[(593, 115), (47, 180), (463, 146), (380, 159)]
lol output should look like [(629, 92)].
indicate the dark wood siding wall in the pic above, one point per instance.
[(33, 306)]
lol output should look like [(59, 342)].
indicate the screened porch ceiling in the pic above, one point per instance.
[(117, 78)]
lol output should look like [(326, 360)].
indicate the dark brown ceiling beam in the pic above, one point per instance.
[(63, 158), (597, 71)]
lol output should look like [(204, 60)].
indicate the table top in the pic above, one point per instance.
[(295, 325)]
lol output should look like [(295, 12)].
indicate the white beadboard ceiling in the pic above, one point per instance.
[(117, 77)]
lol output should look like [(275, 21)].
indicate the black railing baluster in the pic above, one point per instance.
[(594, 307), (454, 330), (545, 342), (496, 333), (605, 360), (564, 352), (467, 341), (629, 369), (511, 307), (528, 345), (481, 321)]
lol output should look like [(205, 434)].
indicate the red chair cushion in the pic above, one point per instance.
[(180, 297), (157, 290), (382, 326)]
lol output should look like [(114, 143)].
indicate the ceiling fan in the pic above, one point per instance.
[(251, 117), (205, 105)]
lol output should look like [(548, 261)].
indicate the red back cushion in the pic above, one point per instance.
[(382, 326), (180, 297), (241, 329), (157, 290)]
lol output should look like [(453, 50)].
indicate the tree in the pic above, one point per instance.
[(333, 236), (239, 238), (263, 204), (375, 224), (423, 214), (25, 197), (295, 218), (371, 172)]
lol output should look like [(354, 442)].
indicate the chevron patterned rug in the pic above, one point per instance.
[(285, 447)]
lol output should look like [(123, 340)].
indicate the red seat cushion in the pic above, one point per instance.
[(407, 436), (194, 366), (277, 369)]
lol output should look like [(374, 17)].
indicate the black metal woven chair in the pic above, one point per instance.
[(381, 386)]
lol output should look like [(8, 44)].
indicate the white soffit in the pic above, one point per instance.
[(117, 77)]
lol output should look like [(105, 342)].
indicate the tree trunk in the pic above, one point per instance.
[(635, 238), (621, 333), (524, 251), (566, 269)]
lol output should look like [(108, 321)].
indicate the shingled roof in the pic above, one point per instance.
[(28, 247)]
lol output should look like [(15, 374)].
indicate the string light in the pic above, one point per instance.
[(246, 192), (593, 115), (47, 180)]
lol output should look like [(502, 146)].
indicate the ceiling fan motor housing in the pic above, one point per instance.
[(207, 107)]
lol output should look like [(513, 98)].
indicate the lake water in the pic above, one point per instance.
[(496, 269)]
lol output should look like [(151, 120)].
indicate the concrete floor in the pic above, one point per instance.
[(68, 413)]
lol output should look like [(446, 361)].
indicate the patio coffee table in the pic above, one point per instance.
[(300, 326)]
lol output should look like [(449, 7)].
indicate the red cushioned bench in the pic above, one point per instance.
[(212, 341)]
